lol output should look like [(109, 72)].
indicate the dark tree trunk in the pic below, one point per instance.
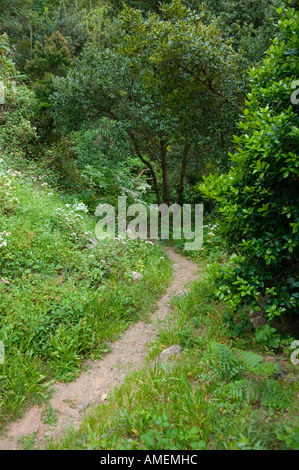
[(150, 166), (164, 165), (182, 175)]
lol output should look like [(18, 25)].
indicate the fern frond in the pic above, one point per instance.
[(275, 396), (249, 359), (240, 390), (224, 362)]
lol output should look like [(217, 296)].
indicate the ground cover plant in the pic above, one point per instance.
[(227, 390), (61, 297), (172, 101)]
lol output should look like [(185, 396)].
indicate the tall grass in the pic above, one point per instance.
[(60, 301), (223, 392)]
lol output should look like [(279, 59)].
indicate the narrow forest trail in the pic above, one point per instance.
[(91, 387)]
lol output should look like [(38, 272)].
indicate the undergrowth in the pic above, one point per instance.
[(225, 391), (62, 297)]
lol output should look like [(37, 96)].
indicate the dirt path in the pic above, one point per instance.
[(127, 354)]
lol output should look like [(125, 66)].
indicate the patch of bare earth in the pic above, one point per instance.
[(127, 354)]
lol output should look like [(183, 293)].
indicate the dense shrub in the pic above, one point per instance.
[(258, 199), (16, 131)]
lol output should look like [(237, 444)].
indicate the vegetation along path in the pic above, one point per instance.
[(127, 354)]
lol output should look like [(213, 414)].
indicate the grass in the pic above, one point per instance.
[(225, 391), (28, 441), (49, 415), (60, 301)]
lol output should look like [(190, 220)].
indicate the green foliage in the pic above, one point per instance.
[(108, 169), (163, 435), (267, 336), (168, 99), (289, 435), (249, 24), (258, 200), (49, 415), (223, 362), (5, 50), (259, 387), (152, 90), (27, 441), (216, 395), (59, 300), (146, 5), (51, 56), (17, 134), (29, 21), (16, 17)]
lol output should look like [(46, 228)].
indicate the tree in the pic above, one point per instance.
[(146, 5), (52, 56), (259, 199), (28, 21), (17, 135), (170, 82), (250, 24)]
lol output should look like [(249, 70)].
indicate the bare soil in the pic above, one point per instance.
[(127, 354)]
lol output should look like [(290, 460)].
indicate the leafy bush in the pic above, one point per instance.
[(258, 199), (215, 395), (16, 131), (267, 336)]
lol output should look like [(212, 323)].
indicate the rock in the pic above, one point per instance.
[(166, 356), (3, 281), (136, 276)]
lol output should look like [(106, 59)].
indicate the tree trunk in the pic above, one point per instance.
[(182, 175), (164, 165), (149, 165)]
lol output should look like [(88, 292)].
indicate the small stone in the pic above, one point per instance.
[(136, 276), (166, 356)]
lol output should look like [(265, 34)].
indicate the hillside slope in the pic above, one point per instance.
[(60, 300)]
